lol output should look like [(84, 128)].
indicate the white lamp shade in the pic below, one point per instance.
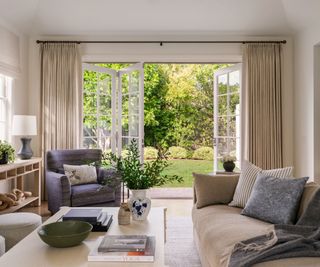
[(24, 125)]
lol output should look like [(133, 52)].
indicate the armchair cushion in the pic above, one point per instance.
[(214, 189), (82, 174), (88, 194)]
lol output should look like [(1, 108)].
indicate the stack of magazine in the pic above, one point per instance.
[(99, 219), (139, 248)]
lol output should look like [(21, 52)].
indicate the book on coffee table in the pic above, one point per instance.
[(123, 243), (147, 255), (87, 215), (99, 219)]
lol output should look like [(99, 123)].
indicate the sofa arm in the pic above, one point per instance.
[(213, 189), (58, 189)]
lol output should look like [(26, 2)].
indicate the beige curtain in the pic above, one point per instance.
[(262, 105), (60, 96)]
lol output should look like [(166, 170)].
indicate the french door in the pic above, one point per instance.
[(113, 107), (226, 130)]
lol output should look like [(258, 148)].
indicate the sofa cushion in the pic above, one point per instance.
[(214, 189), (275, 200), (87, 194), (308, 193), (81, 174), (247, 179), (219, 227)]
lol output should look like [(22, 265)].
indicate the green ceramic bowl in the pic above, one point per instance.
[(64, 234)]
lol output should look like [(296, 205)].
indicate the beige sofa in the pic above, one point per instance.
[(218, 227)]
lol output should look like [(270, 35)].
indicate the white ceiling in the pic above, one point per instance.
[(94, 17)]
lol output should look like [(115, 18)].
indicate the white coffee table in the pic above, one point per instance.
[(32, 252)]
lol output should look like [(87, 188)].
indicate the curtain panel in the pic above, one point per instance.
[(262, 105), (61, 99)]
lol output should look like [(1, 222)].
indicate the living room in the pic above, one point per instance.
[(152, 32)]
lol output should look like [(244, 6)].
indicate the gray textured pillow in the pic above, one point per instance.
[(275, 200)]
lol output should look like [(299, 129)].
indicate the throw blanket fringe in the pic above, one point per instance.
[(267, 241)]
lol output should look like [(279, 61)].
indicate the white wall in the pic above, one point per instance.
[(306, 101), (14, 63)]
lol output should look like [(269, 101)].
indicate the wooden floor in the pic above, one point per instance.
[(175, 207)]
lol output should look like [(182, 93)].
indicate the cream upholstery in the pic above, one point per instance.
[(218, 227), (16, 226)]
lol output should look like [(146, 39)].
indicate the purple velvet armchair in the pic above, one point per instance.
[(62, 193)]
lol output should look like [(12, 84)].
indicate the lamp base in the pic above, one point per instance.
[(25, 151)]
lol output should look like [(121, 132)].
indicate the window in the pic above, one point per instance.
[(5, 106)]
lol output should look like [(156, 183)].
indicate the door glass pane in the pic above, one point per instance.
[(90, 81), (105, 104), (222, 84), (223, 105), (222, 126), (134, 82), (90, 142), (234, 81), (89, 103), (90, 125)]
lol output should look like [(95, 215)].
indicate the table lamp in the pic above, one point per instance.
[(24, 125)]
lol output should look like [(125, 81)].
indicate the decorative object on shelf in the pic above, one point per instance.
[(24, 125), (138, 176), (140, 205), (228, 163), (5, 202), (124, 214), (64, 234), (6, 153), (15, 198)]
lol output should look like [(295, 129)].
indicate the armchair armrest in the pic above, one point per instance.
[(213, 189), (59, 190)]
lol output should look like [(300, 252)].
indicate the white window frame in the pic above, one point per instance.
[(6, 101)]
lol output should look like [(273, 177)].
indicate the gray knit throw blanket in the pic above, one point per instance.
[(284, 241)]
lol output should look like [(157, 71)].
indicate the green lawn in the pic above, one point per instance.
[(185, 168)]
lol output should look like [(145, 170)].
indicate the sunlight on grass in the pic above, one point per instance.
[(185, 168)]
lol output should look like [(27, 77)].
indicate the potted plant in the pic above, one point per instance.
[(228, 162), (6, 152), (138, 177)]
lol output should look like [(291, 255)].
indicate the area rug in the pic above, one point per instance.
[(180, 250)]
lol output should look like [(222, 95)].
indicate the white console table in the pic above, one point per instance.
[(17, 172)]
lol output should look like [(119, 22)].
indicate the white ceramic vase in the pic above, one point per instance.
[(139, 204)]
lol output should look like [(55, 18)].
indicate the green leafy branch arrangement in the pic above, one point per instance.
[(136, 175)]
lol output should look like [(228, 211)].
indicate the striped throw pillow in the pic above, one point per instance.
[(247, 179)]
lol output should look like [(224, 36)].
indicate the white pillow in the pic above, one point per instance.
[(80, 174), (247, 179)]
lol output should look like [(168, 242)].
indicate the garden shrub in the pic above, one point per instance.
[(177, 152), (204, 153), (150, 152)]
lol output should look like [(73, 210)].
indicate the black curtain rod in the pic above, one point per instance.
[(161, 42)]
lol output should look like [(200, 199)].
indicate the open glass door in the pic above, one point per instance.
[(113, 107), (226, 101), (99, 107), (131, 107)]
